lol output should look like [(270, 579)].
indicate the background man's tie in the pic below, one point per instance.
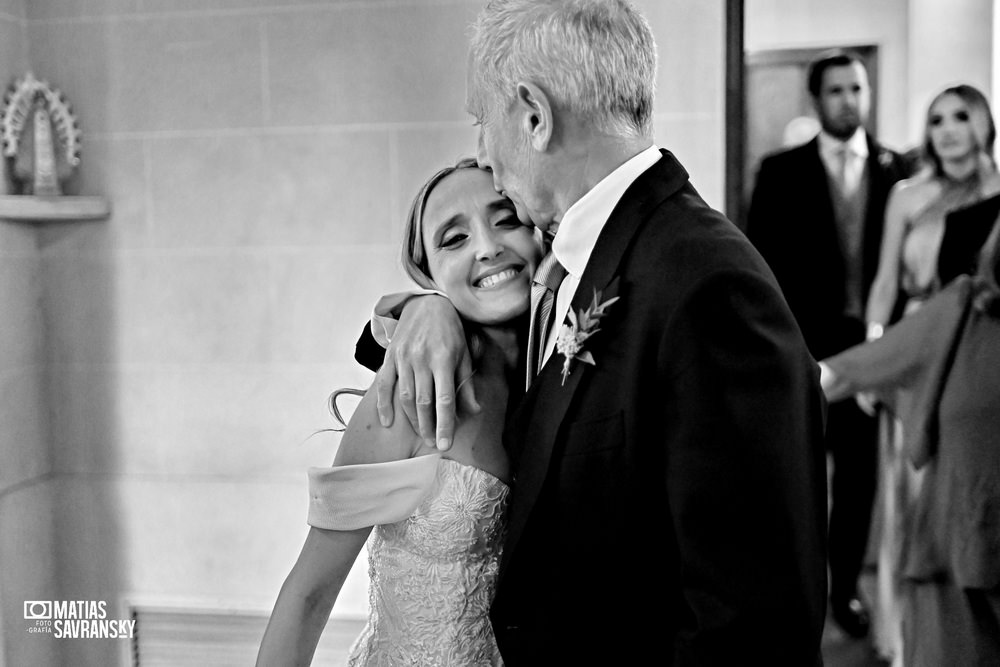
[(544, 286), (844, 176)]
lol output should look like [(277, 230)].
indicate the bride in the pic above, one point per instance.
[(434, 521)]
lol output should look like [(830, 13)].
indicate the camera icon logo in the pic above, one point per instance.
[(37, 610)]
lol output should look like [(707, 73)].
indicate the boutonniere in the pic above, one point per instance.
[(581, 326)]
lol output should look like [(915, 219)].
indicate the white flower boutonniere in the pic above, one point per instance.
[(582, 326)]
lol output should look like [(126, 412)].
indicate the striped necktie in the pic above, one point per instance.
[(544, 285)]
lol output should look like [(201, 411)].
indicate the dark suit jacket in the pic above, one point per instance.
[(669, 503), (791, 221), (965, 231)]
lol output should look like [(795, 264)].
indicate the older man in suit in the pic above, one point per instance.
[(669, 497), (816, 216)]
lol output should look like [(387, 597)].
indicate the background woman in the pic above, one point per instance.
[(937, 371), (438, 518), (959, 137), (960, 170)]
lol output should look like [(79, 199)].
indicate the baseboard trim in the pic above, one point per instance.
[(179, 636)]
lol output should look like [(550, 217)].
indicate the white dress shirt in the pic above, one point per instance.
[(582, 224)]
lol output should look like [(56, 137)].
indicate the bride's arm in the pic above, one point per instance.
[(308, 595), (312, 587)]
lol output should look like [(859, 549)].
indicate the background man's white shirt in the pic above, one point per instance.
[(857, 147)]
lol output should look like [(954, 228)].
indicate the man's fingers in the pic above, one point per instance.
[(428, 344), (445, 405), (425, 407), (407, 398), (385, 385), (466, 388)]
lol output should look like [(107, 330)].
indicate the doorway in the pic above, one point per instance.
[(778, 107)]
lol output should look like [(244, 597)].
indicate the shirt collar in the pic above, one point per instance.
[(583, 221), (858, 143)]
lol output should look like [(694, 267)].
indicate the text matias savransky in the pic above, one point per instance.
[(78, 619)]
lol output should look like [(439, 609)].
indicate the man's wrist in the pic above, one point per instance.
[(387, 311), (416, 297)]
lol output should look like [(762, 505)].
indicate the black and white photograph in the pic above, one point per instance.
[(473, 333)]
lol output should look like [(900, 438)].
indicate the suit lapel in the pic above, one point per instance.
[(815, 172), (824, 239), (547, 401)]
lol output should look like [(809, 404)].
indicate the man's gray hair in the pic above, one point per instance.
[(596, 58)]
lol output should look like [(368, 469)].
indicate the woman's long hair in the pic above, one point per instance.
[(414, 260), (980, 118), (413, 254)]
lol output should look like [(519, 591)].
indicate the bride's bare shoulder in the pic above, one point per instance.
[(365, 440)]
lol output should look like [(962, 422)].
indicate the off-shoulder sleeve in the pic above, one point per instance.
[(370, 494)]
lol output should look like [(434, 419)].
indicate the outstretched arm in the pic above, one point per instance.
[(836, 386), (905, 354), (424, 365)]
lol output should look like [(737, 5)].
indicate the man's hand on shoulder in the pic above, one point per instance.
[(426, 360)]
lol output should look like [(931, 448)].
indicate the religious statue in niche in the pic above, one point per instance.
[(41, 138)]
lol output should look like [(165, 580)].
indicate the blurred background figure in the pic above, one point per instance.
[(959, 170), (816, 216), (799, 130), (965, 232), (937, 372)]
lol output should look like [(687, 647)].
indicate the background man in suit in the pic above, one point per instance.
[(669, 498), (816, 216)]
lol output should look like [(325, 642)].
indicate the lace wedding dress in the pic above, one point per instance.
[(432, 556)]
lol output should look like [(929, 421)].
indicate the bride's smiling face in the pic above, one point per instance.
[(478, 252)]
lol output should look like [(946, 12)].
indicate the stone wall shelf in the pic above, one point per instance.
[(37, 208)]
